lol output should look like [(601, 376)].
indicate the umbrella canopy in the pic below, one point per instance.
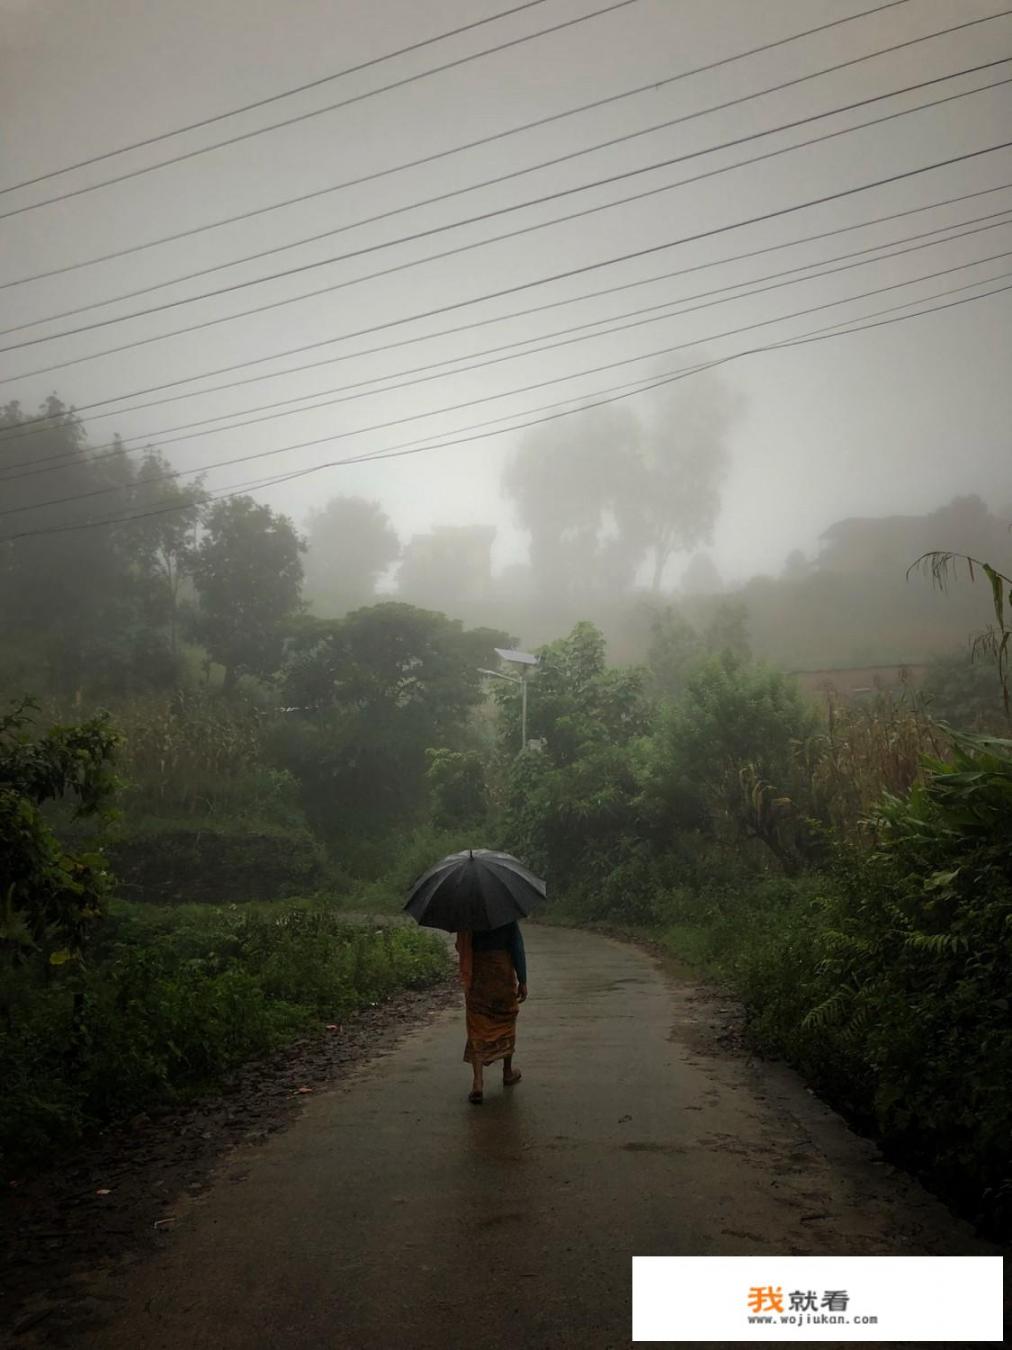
[(474, 890)]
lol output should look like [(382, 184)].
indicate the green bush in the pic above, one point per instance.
[(887, 981), (214, 861), (456, 780), (174, 998)]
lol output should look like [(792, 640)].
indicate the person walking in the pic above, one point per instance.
[(478, 894), (493, 971)]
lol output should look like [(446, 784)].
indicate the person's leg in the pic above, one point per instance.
[(477, 1085), (509, 1074)]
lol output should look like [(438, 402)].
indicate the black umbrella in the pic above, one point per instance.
[(474, 890)]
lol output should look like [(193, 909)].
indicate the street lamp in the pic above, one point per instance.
[(525, 661)]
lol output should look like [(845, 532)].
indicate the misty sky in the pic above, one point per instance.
[(897, 419)]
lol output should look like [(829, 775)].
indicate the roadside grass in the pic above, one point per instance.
[(892, 1004), (171, 999)]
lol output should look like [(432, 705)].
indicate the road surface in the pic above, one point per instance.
[(395, 1216)]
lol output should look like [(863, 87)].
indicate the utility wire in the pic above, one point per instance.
[(502, 178), (443, 154), (272, 98), (39, 425), (834, 330), (114, 449), (395, 452), (541, 281), (583, 212), (381, 246), (611, 365), (819, 334), (316, 112)]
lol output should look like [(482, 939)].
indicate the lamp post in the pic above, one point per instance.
[(525, 660)]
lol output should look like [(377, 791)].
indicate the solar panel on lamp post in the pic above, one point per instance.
[(525, 660)]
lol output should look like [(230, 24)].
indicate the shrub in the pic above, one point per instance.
[(174, 998), (214, 861)]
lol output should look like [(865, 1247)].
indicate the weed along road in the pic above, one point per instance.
[(393, 1214)]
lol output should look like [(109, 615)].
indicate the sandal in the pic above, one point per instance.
[(514, 1077), (476, 1098)]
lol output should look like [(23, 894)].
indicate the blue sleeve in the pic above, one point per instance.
[(518, 954)]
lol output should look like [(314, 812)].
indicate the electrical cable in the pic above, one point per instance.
[(382, 245), (520, 173), (819, 335), (138, 342), (511, 290), (316, 112), (242, 459), (652, 86), (113, 449)]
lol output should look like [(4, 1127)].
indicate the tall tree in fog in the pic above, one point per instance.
[(682, 454), (248, 574), (573, 492), (603, 493), (162, 537), (88, 581), (374, 692), (350, 544)]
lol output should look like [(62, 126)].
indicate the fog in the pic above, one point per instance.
[(465, 465), (894, 420)]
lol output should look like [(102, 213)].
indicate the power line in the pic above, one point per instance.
[(425, 337), (381, 246), (35, 466), (273, 98), (457, 149), (36, 426), (762, 323), (837, 330), (586, 211), (303, 117), (834, 330), (492, 182), (540, 281)]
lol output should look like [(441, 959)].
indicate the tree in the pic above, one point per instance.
[(163, 537), (50, 898), (84, 590), (350, 543), (683, 458), (456, 780), (675, 649), (605, 491), (701, 576), (373, 693), (725, 755), (575, 700), (678, 647), (571, 487), (571, 807), (247, 573)]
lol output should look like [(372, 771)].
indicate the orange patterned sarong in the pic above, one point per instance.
[(492, 1008)]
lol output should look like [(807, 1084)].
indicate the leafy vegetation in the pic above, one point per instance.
[(173, 999), (850, 876), (844, 863), (51, 897)]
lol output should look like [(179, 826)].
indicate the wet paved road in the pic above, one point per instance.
[(394, 1216)]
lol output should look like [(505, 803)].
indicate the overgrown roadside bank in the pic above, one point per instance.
[(171, 1000), (117, 1196), (900, 1037)]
